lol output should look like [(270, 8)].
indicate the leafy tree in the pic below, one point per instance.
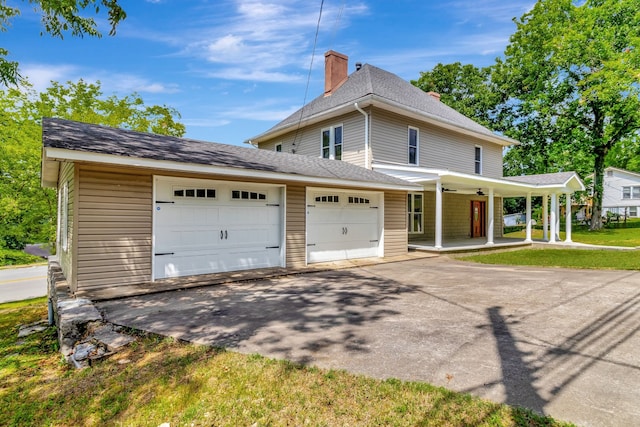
[(28, 211), (574, 68), (467, 89), (58, 17)]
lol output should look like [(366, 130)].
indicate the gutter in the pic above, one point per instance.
[(366, 135)]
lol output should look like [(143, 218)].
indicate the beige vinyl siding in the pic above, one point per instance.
[(395, 223), (456, 218), (438, 148), (296, 226), (66, 257), (308, 139), (114, 228)]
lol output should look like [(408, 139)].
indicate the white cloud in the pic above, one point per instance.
[(257, 40), (41, 75), (264, 110)]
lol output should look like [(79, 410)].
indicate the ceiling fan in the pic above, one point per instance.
[(479, 192)]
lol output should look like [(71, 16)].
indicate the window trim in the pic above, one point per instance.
[(332, 142), (411, 213), (417, 147), (477, 160), (278, 148)]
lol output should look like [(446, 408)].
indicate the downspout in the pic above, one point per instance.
[(366, 135)]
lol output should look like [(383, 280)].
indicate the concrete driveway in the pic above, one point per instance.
[(562, 342)]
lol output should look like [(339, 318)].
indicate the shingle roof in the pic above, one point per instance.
[(83, 137), (370, 80), (558, 178)]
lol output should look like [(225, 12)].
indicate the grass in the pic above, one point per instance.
[(13, 257), (569, 258), (158, 380), (628, 237)]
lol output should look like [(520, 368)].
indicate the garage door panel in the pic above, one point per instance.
[(342, 229), (201, 228)]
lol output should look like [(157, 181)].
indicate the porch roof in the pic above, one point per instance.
[(537, 185)]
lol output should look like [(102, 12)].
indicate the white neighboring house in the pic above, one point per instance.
[(621, 194)]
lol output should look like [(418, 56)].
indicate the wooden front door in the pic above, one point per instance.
[(478, 209)]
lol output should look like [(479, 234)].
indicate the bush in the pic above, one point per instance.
[(14, 257)]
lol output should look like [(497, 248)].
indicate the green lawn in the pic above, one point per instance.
[(159, 380), (570, 258), (628, 237)]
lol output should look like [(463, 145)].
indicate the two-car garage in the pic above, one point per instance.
[(208, 226), (138, 208)]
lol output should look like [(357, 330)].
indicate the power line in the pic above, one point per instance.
[(306, 90)]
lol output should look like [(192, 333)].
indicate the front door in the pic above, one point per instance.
[(478, 209)]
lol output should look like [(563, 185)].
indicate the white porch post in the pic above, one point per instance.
[(554, 211), (567, 219), (490, 219), (529, 220), (438, 242), (557, 217), (545, 217)]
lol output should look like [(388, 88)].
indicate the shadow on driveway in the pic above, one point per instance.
[(561, 342)]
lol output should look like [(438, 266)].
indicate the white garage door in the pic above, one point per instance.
[(342, 225), (203, 226)]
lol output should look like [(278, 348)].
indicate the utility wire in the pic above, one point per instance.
[(306, 90)]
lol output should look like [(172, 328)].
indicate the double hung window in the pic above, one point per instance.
[(413, 143), (631, 192), (332, 143), (478, 160), (415, 211)]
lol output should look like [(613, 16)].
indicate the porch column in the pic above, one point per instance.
[(553, 213), (567, 219), (438, 242), (557, 217), (490, 219), (545, 217), (529, 221)]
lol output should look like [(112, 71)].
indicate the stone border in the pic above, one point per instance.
[(82, 332)]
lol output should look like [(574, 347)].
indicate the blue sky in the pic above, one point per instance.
[(234, 68)]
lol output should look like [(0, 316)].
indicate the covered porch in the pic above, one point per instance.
[(551, 187)]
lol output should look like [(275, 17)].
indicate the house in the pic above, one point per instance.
[(621, 193), (138, 208), (374, 119)]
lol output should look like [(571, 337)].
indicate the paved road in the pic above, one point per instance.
[(17, 284), (559, 341)]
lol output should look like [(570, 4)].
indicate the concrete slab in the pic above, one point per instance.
[(562, 342)]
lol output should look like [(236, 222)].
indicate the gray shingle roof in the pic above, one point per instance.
[(370, 80), (83, 137), (558, 178)]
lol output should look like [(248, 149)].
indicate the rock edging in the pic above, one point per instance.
[(83, 334)]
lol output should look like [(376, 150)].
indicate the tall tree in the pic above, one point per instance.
[(467, 89), (576, 65), (58, 17), (28, 211)]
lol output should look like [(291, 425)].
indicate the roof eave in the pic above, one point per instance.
[(55, 155), (385, 104)]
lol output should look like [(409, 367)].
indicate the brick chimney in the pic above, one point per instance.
[(335, 71), (436, 95)]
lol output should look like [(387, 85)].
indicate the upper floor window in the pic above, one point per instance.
[(278, 148), (332, 143), (413, 145), (631, 192), (478, 160)]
